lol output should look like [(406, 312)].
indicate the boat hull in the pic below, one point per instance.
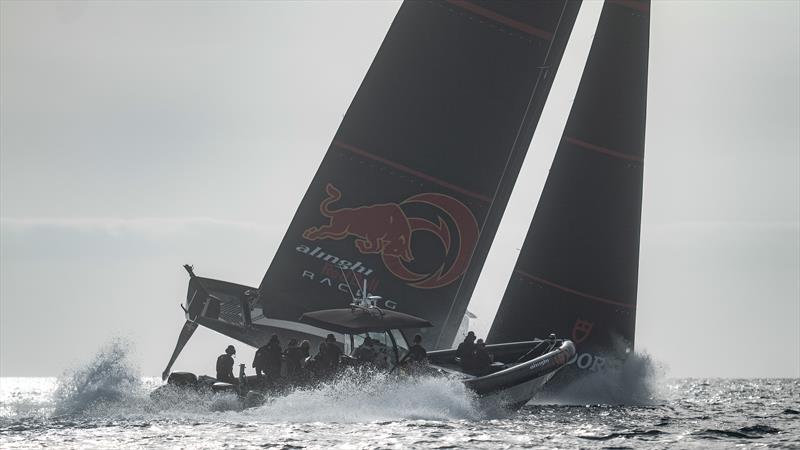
[(517, 384), (512, 387)]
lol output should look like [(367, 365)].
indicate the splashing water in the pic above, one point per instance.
[(105, 404), (109, 386), (635, 382), (109, 378), (374, 397)]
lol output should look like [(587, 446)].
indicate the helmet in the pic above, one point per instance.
[(230, 350)]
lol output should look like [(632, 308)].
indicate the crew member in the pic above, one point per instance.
[(366, 351), (417, 353), (332, 354), (273, 358), (316, 365), (260, 362), (381, 354), (305, 349), (225, 366), (294, 360), (466, 351), (483, 360)]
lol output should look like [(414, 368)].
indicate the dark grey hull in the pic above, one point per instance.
[(517, 383)]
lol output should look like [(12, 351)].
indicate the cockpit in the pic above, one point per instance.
[(384, 349)]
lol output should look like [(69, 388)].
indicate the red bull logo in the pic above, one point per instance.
[(384, 229)]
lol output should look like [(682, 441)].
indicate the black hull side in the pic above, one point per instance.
[(518, 382)]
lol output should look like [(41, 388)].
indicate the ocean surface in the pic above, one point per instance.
[(106, 404)]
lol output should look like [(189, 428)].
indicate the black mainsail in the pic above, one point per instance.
[(413, 186), (578, 268)]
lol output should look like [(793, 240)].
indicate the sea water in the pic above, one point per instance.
[(105, 404)]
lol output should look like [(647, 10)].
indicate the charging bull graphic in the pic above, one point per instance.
[(380, 228), (386, 229)]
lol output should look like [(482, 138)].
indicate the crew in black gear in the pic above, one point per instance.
[(316, 366), (305, 349), (332, 354), (225, 366), (466, 351), (260, 362), (366, 351), (483, 360), (294, 360), (273, 356), (417, 353)]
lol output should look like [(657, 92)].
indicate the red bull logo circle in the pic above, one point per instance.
[(385, 229)]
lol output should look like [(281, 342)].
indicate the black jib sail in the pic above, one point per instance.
[(577, 271), (410, 192)]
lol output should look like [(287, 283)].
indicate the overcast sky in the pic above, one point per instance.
[(135, 137)]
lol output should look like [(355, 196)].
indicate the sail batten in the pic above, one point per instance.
[(507, 21), (603, 150), (410, 171), (569, 290)]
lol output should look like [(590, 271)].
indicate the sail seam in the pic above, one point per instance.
[(603, 150), (416, 173), (573, 291), (499, 18)]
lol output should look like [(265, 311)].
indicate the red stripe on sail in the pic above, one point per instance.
[(573, 291), (632, 4), (411, 171), (507, 21), (603, 150)]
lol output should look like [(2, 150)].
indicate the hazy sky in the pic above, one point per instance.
[(135, 137)]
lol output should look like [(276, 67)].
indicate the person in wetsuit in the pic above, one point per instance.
[(260, 362), (466, 351), (294, 360), (315, 366), (483, 360), (225, 366), (272, 358), (366, 351), (305, 349), (332, 354), (417, 353)]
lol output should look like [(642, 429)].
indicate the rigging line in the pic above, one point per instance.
[(543, 70)]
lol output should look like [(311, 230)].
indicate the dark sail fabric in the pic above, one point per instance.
[(411, 189), (577, 271)]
